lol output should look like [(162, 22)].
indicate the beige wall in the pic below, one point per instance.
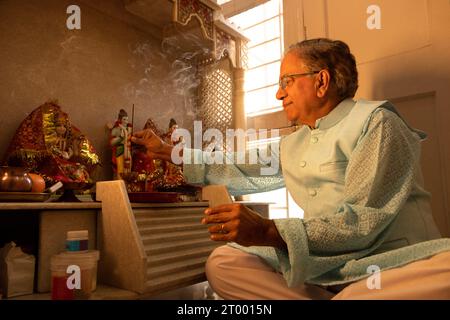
[(114, 61)]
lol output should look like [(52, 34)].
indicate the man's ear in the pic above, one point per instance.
[(322, 83)]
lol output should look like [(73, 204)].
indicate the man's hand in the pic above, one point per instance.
[(156, 148), (235, 222)]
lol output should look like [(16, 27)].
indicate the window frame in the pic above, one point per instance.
[(288, 205)]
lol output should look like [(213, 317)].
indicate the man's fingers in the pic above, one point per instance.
[(220, 228), (217, 218), (139, 134), (222, 208), (222, 236), (144, 133), (137, 140)]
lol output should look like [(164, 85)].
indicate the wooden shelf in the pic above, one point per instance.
[(49, 206)]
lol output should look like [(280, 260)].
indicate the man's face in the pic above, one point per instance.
[(299, 96)]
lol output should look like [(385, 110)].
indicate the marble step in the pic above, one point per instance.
[(145, 229), (161, 213), (173, 236), (155, 248), (145, 221), (175, 267), (170, 257), (177, 280)]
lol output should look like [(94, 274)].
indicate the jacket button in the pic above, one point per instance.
[(314, 139), (312, 193), (302, 164)]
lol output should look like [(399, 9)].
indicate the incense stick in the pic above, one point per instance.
[(132, 119)]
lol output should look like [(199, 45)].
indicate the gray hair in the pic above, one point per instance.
[(333, 55)]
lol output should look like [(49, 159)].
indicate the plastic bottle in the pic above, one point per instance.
[(77, 241)]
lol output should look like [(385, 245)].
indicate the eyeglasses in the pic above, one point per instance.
[(289, 78)]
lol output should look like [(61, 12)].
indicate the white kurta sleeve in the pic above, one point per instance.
[(242, 173)]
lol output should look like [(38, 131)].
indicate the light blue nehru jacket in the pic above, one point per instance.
[(357, 176), (317, 178)]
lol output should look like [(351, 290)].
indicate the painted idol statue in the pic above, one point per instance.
[(121, 148), (47, 143)]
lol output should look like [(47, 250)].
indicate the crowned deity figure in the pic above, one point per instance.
[(173, 174), (62, 145), (121, 146), (47, 143)]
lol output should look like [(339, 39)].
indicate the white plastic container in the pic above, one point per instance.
[(94, 256), (87, 263)]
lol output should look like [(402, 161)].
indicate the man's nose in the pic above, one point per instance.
[(281, 94)]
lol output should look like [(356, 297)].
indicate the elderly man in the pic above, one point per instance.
[(353, 166)]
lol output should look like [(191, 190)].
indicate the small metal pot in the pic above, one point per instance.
[(14, 179)]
